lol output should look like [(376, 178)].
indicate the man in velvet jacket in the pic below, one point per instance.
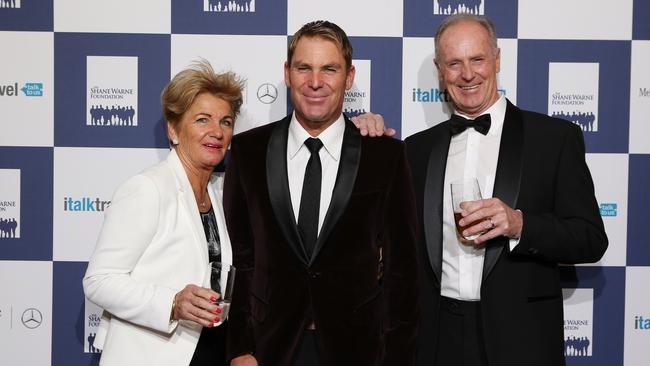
[(351, 297), (497, 300)]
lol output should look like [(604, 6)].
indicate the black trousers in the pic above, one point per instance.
[(460, 336), (211, 349), (308, 352)]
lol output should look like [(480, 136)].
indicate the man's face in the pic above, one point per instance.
[(318, 80), (468, 66)]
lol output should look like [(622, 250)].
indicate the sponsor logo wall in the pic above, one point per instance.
[(80, 112)]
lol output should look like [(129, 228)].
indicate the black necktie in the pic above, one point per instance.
[(459, 124), (310, 198)]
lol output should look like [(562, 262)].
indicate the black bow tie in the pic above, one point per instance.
[(459, 124)]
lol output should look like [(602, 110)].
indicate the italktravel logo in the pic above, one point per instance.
[(642, 322), (608, 209), (85, 204), (27, 89), (435, 95)]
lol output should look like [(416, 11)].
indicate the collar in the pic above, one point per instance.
[(332, 137)]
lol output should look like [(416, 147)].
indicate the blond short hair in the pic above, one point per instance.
[(182, 90), (326, 30)]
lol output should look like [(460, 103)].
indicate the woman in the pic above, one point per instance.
[(149, 269)]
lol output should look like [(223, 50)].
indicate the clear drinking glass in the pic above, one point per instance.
[(222, 280), (463, 191)]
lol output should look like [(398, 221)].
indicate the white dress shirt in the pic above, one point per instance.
[(298, 155), (470, 155)]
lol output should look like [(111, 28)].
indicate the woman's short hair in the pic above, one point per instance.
[(182, 90)]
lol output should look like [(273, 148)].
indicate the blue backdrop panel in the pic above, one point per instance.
[(269, 17), (613, 87), (70, 86), (608, 284), (638, 244), (420, 20), (36, 180), (30, 16), (641, 23), (69, 316)]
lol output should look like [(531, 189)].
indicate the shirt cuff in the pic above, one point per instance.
[(513, 243)]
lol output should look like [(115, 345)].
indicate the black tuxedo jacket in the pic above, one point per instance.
[(359, 287), (541, 170)]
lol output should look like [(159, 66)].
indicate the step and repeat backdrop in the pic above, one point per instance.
[(80, 82)]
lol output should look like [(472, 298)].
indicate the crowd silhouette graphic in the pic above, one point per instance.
[(350, 112), (230, 6), (9, 4), (576, 346), (91, 343), (113, 116), (8, 228), (584, 120), (459, 6)]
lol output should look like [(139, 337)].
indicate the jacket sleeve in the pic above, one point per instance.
[(130, 224), (573, 232), (240, 335), (400, 273)]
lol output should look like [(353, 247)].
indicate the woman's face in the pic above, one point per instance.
[(204, 132)]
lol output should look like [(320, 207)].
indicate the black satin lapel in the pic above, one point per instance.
[(345, 178), (433, 197), (278, 186), (508, 176)]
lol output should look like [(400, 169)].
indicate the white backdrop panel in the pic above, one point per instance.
[(121, 16), (27, 117), (575, 19), (79, 202), (640, 98), (26, 313), (380, 17), (263, 73)]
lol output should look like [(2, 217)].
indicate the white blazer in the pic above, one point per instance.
[(152, 244)]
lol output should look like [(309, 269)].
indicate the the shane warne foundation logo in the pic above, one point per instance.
[(573, 93), (93, 315), (9, 204), (578, 321), (357, 100), (458, 6), (112, 91), (10, 4), (229, 6)]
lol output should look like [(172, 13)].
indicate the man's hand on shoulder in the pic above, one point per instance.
[(371, 124)]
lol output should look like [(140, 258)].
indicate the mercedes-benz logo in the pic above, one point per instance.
[(267, 93), (32, 318)]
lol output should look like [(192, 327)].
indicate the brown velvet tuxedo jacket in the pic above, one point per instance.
[(541, 170), (359, 286)]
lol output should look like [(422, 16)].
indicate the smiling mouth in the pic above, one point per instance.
[(315, 98), (213, 146), (468, 87)]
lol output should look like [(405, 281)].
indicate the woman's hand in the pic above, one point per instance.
[(196, 304)]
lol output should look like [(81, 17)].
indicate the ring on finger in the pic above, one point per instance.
[(491, 222)]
